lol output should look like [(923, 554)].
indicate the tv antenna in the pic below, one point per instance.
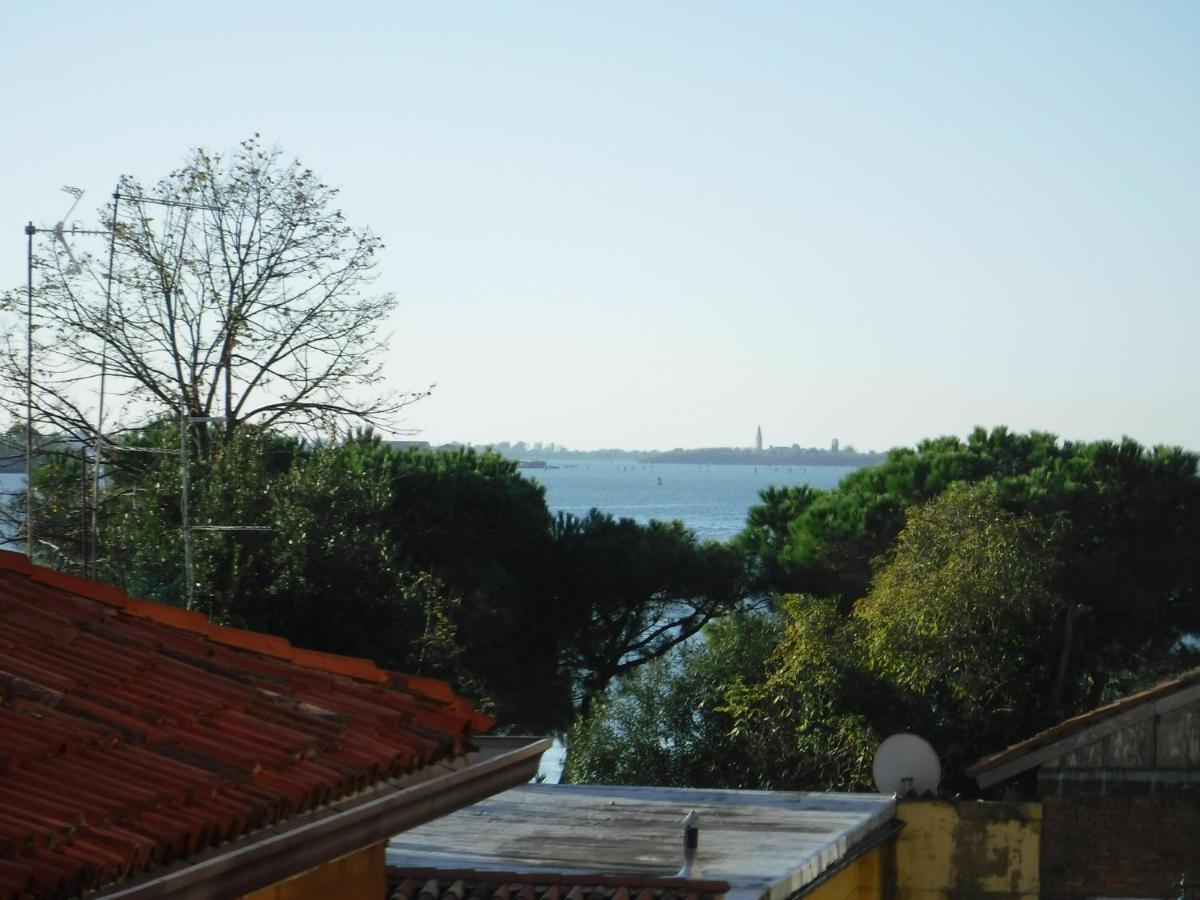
[(906, 764), (59, 230), (58, 234)]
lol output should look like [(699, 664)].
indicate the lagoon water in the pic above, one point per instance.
[(11, 485), (712, 500)]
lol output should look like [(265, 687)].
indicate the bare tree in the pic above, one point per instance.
[(233, 292), (239, 293)]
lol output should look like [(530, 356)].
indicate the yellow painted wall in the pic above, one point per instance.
[(358, 876), (968, 847), (860, 880)]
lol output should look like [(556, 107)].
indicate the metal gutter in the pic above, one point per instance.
[(305, 842), (861, 849)]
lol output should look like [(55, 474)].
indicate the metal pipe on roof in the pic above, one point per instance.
[(691, 844)]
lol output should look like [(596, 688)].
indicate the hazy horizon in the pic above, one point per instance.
[(657, 226), (844, 445)]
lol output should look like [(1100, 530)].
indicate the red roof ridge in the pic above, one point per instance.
[(197, 623)]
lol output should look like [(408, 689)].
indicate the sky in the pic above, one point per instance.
[(656, 225)]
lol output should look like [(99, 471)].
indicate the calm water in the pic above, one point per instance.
[(11, 483), (712, 500)]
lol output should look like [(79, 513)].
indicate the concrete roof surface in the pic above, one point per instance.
[(764, 843)]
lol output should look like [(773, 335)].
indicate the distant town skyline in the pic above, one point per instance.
[(656, 226), (758, 445)]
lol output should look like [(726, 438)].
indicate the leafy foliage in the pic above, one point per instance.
[(768, 538), (975, 592), (1010, 580), (443, 563), (1123, 520), (665, 723), (808, 724), (628, 593), (961, 621)]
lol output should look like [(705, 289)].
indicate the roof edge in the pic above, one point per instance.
[(1086, 728), (359, 668), (701, 885), (876, 838), (280, 853)]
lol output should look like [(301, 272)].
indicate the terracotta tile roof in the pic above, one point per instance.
[(135, 734), (1082, 722), (473, 884)]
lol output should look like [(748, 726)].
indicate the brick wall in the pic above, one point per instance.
[(1120, 846)]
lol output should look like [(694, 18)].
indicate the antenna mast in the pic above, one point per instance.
[(30, 231), (58, 232), (112, 249)]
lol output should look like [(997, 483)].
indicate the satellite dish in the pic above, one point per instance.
[(906, 764)]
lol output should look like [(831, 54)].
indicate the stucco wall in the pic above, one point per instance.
[(358, 876), (860, 880), (952, 849)]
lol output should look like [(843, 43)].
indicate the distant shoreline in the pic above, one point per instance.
[(775, 456), (537, 457), (540, 456)]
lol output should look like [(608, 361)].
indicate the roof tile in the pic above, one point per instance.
[(137, 734), (470, 884)]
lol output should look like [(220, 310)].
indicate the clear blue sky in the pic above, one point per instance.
[(656, 225)]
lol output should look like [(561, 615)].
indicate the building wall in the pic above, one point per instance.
[(862, 879), (1120, 846), (358, 876), (959, 848)]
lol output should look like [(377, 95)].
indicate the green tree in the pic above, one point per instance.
[(768, 539), (665, 723), (481, 529), (1126, 522), (961, 619), (628, 593), (813, 722)]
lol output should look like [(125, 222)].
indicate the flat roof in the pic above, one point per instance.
[(764, 843)]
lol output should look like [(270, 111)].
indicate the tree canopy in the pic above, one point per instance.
[(628, 593), (446, 563), (961, 621), (1123, 522), (667, 722), (972, 591)]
